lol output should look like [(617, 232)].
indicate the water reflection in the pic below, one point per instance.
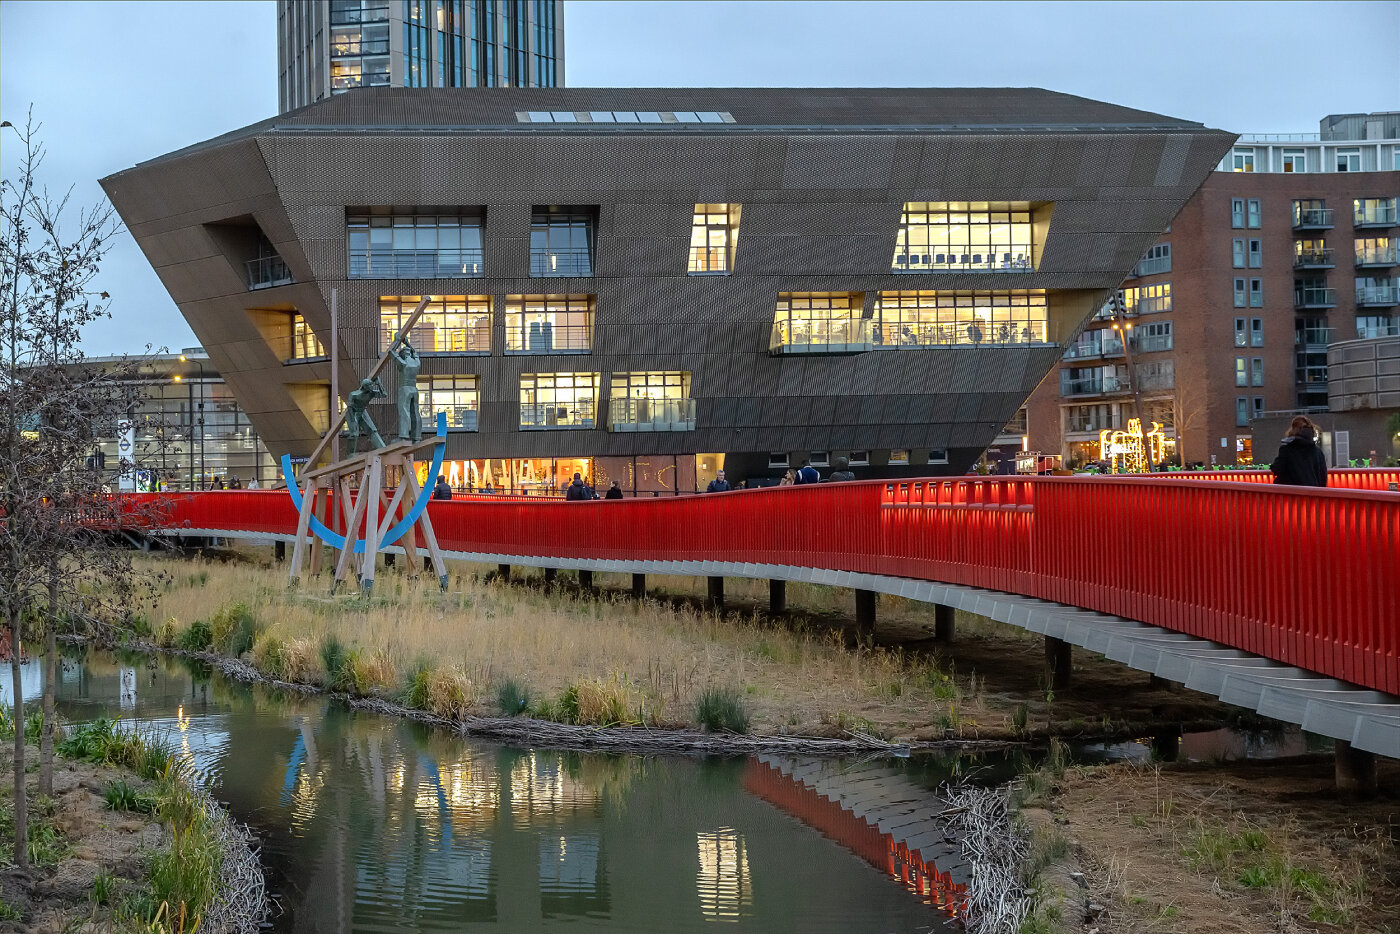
[(371, 824)]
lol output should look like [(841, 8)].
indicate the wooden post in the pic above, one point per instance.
[(317, 546), (425, 521), (371, 496), (303, 524), (352, 526)]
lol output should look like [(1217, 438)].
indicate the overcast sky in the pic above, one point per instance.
[(116, 83)]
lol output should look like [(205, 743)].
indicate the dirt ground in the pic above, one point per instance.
[(57, 893), (1238, 848)]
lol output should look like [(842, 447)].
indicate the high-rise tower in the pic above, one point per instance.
[(325, 47)]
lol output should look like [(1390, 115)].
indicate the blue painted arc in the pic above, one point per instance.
[(336, 540)]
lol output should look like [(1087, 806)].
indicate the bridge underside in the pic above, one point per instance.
[(1369, 720)]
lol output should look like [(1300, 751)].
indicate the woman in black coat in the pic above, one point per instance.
[(1300, 461)]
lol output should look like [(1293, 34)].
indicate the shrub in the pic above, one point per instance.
[(198, 638), (444, 692), (119, 796), (168, 633), (233, 630), (596, 702), (332, 657), (512, 698), (721, 710)]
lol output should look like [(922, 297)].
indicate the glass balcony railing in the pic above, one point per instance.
[(915, 334), (1375, 214), (806, 336), (1153, 266), (1384, 256), (1009, 258), (416, 264), (431, 339), (352, 17), (1313, 259), (1093, 386), (1312, 218), (1085, 350), (357, 47), (561, 263), (568, 414), (546, 337), (1314, 298), (368, 79), (1313, 337), (293, 350), (633, 414), (266, 272), (1094, 425), (1378, 330), (708, 261), (1377, 295), (459, 417)]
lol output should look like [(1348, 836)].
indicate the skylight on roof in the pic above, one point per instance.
[(624, 116)]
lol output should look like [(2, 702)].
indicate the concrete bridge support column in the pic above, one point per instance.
[(585, 580), (504, 571), (639, 586), (1355, 769), (550, 574), (279, 551), (714, 592), (1057, 662), (1166, 745), (865, 612), (777, 597), (943, 622)]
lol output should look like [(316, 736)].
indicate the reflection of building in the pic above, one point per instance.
[(643, 281), (190, 429), (325, 47), (1290, 245)]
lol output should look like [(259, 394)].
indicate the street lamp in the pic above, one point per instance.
[(1123, 326)]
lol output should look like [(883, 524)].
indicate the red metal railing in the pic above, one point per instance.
[(1344, 478), (1304, 576)]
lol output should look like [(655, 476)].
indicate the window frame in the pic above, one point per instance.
[(558, 311)]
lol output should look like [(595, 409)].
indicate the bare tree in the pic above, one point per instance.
[(56, 557), (1188, 404)]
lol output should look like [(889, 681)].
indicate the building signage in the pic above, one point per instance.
[(126, 455)]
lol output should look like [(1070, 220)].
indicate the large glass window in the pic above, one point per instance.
[(651, 401), (1242, 159), (305, 345), (561, 241), (1147, 299), (450, 323), (713, 234), (1375, 251), (1311, 212), (1157, 259), (941, 319), (819, 322), (979, 235), (1295, 160), (1153, 336), (558, 400), (456, 395), (549, 324), (414, 246), (1378, 212)]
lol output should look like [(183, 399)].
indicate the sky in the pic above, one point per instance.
[(116, 83)]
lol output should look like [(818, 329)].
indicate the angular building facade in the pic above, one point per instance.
[(326, 47), (645, 285)]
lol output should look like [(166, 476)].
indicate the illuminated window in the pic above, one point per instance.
[(304, 344), (414, 246), (713, 234), (942, 319), (1375, 251), (458, 396), (651, 401), (1379, 212), (980, 235), (1313, 253), (819, 322), (1147, 299), (1242, 159), (899, 457), (723, 882), (450, 323), (541, 324), (558, 400), (561, 241), (1295, 160)]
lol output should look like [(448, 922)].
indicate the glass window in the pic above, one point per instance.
[(1241, 333), (539, 324), (936, 456), (1147, 299), (1241, 410), (1256, 371), (1158, 374), (1236, 212), (1240, 294), (819, 322), (1256, 293), (899, 457), (1241, 371), (777, 459), (1256, 332), (657, 400), (558, 400), (1242, 159), (981, 236), (1311, 253), (1156, 260), (713, 234), (1153, 336), (414, 246), (456, 395), (1237, 252), (561, 241), (1295, 160), (1256, 254), (941, 319), (304, 345), (1375, 251), (1311, 212), (820, 459), (1377, 211), (1255, 213), (450, 323), (1349, 159), (859, 459)]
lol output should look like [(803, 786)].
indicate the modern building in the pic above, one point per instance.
[(1290, 245), (190, 432), (649, 284), (325, 47)]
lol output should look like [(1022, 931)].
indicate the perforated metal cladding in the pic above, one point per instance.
[(820, 213)]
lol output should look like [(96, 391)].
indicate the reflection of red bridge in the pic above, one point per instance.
[(1281, 599), (876, 814)]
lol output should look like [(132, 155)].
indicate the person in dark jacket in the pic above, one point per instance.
[(842, 473), (614, 491), (718, 484), (808, 474), (577, 491), (443, 490), (1300, 461)]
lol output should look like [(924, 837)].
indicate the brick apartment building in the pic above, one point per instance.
[(1290, 245)]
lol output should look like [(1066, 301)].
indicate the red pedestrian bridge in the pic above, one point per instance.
[(1284, 600)]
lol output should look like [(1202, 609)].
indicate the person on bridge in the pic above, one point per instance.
[(578, 491), (1300, 462), (718, 484), (807, 474), (614, 491), (443, 490), (842, 473)]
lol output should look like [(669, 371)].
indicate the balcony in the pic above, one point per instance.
[(561, 263), (1094, 349), (267, 272), (1313, 338), (293, 350), (708, 261), (359, 47), (1382, 214), (353, 17), (539, 416), (1378, 330), (919, 334), (368, 79), (1314, 298), (1376, 258), (1152, 267), (1313, 259), (431, 339), (1011, 258), (1312, 218), (1377, 296), (546, 337), (808, 336), (1093, 386), (634, 414), (416, 264)]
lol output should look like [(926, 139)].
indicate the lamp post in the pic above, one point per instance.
[(1123, 326)]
